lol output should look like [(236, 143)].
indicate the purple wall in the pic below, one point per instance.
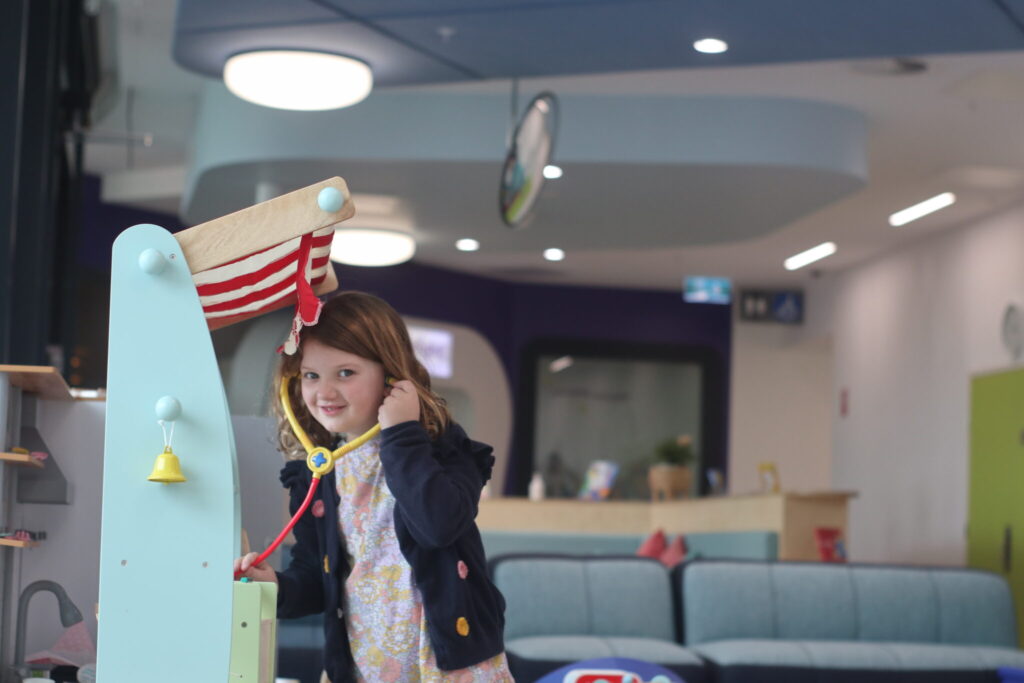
[(511, 316), (514, 316), (102, 223)]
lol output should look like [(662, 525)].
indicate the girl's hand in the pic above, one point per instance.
[(402, 404), (259, 572)]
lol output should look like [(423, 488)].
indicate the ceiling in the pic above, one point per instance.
[(676, 163)]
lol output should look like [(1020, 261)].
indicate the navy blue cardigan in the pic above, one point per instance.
[(436, 486)]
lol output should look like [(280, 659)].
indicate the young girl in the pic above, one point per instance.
[(388, 550)]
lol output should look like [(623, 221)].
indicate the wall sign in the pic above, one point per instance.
[(433, 348), (772, 306)]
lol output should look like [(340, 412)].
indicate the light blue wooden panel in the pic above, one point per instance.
[(167, 549)]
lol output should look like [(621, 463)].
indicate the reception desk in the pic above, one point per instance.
[(793, 516)]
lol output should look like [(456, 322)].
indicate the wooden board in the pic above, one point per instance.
[(793, 516), (18, 544), (21, 459), (39, 379), (260, 226)]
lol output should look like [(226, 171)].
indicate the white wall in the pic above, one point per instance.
[(910, 329), (779, 407), (70, 555)]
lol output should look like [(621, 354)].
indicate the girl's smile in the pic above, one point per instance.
[(341, 390)]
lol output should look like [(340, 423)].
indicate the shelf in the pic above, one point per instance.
[(18, 544), (39, 379), (21, 459)]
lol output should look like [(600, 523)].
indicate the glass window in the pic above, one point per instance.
[(581, 401), (611, 409)]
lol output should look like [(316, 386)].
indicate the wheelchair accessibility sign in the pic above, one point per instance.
[(772, 306)]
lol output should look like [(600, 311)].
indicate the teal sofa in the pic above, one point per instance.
[(797, 622), (733, 621), (564, 609)]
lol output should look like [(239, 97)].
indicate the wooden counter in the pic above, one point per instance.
[(793, 516)]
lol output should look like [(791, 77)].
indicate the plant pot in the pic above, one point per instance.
[(669, 481)]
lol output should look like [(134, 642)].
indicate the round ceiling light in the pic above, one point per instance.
[(710, 46), (371, 247), (298, 79)]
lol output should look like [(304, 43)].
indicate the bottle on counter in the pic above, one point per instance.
[(535, 490)]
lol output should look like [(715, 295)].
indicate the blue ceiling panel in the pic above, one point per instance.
[(205, 15), (377, 9), (568, 38), (1015, 9), (416, 41)]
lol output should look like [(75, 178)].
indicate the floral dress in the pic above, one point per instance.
[(384, 616)]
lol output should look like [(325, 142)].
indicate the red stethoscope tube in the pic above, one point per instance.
[(280, 537)]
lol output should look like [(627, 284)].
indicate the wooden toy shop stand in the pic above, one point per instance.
[(168, 604)]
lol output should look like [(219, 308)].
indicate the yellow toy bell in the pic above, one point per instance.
[(167, 469)]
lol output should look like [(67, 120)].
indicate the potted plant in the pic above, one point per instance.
[(670, 475)]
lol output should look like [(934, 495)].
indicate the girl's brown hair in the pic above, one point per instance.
[(367, 326)]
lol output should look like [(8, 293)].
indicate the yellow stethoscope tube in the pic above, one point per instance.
[(320, 460)]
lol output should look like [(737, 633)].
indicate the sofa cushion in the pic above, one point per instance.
[(890, 656), (674, 553), (600, 596), (577, 648), (653, 546), (813, 601)]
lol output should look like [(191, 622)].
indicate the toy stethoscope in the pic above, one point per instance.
[(320, 461)]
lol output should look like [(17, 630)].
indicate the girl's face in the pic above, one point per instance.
[(342, 391)]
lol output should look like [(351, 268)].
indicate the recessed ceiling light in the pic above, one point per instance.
[(710, 46), (554, 254), (298, 79), (810, 256), (371, 247), (467, 244), (551, 171), (912, 213)]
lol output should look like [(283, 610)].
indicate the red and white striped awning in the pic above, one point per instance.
[(259, 282), (268, 256), (266, 280)]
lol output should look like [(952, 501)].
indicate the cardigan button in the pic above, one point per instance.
[(462, 626), (341, 613), (327, 566)]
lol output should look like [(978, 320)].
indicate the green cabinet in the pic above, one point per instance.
[(995, 527)]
